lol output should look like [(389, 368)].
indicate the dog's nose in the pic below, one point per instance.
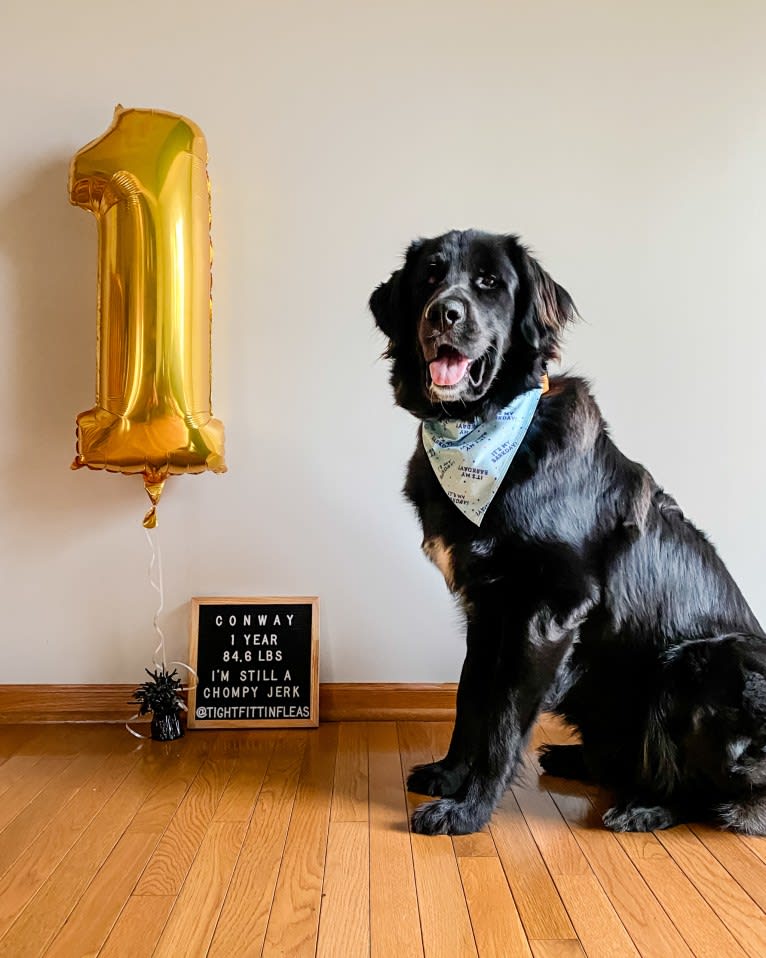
[(447, 312)]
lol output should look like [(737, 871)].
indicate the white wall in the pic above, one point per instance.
[(626, 142)]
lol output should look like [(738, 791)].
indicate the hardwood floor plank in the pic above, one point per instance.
[(43, 756), (24, 878), (645, 920), (138, 929), (143, 801), (15, 769), (191, 924), (594, 919), (344, 919), (738, 860), (726, 897), (444, 919), (560, 851), (19, 752), (177, 767), (394, 916), (476, 845), (34, 779), (561, 948), (541, 909), (13, 738), (241, 792), (300, 846), (754, 843), (551, 728), (294, 918), (90, 921), (704, 933), (350, 799), (440, 734), (241, 928), (173, 856), (598, 926), (497, 928), (39, 740), (32, 819)]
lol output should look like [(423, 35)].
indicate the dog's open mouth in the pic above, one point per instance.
[(451, 367)]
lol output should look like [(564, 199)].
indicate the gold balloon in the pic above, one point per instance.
[(146, 182)]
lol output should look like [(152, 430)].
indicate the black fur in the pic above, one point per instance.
[(585, 589)]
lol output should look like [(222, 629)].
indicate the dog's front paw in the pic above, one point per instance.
[(435, 779), (446, 816), (634, 817)]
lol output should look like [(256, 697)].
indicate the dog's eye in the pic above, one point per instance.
[(434, 272), (487, 281)]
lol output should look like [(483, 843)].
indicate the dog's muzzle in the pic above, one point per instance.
[(445, 312)]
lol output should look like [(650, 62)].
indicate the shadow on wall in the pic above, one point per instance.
[(51, 249)]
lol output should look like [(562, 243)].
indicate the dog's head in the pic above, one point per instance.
[(472, 320)]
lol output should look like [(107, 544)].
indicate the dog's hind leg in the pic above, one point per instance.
[(564, 761), (747, 815), (725, 738), (638, 816)]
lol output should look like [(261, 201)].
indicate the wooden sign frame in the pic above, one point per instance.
[(254, 723)]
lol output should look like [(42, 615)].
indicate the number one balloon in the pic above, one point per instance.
[(146, 182)]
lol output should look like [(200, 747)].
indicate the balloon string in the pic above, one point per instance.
[(132, 731), (156, 582), (158, 657)]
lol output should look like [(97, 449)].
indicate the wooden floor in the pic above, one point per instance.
[(296, 843)]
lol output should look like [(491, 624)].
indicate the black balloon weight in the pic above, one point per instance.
[(165, 728), (160, 696)]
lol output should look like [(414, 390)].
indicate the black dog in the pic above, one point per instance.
[(585, 589)]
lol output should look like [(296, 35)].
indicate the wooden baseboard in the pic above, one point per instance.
[(66, 703), (338, 702), (386, 702)]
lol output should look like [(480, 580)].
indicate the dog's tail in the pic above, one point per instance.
[(723, 682), (746, 752)]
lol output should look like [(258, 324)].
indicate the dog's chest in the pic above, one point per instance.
[(443, 557), (465, 554), (460, 563)]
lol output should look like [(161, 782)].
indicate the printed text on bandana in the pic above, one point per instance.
[(470, 458)]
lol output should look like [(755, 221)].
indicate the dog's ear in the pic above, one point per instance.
[(387, 302), (544, 308), (385, 305)]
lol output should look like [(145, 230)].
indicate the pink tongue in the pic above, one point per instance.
[(449, 370)]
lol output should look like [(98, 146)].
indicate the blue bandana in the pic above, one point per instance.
[(470, 458)]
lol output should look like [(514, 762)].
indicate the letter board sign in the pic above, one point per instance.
[(257, 662)]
